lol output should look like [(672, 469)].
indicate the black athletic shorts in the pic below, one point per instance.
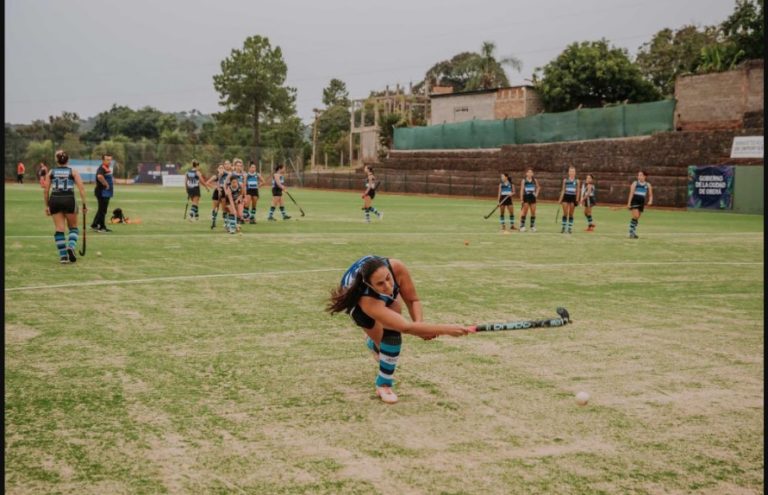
[(193, 192), (276, 191), (361, 319), (62, 204), (589, 202), (215, 195), (637, 206), (372, 193), (529, 198), (507, 200), (252, 192), (569, 198)]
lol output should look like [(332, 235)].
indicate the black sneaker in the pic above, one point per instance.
[(286, 217), (71, 255), (271, 219), (64, 260), (95, 229), (632, 235)]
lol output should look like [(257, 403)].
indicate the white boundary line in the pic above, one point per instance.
[(340, 270), (384, 234)]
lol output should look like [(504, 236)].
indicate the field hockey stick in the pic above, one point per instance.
[(82, 248), (186, 208), (494, 209), (563, 319), (294, 202)]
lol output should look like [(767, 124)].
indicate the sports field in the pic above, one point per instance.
[(185, 360)]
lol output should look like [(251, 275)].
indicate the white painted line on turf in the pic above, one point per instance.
[(386, 234), (494, 265)]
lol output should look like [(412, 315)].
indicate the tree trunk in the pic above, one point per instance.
[(256, 129)]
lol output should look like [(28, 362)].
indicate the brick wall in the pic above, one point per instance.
[(719, 100), (517, 102), (614, 163)]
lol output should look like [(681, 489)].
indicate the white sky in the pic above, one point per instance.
[(85, 55)]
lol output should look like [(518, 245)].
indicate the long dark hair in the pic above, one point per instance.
[(346, 298)]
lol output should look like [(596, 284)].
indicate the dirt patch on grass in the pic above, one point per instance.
[(16, 333)]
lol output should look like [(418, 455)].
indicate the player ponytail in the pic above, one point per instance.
[(343, 299)]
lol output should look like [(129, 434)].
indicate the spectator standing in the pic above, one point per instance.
[(104, 191)]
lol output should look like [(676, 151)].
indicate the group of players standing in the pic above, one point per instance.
[(572, 192), (235, 193)]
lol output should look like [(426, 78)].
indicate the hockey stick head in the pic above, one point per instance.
[(564, 314)]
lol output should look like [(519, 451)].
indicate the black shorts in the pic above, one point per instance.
[(589, 202), (215, 195), (569, 198), (361, 319), (276, 191), (507, 200), (62, 204), (372, 194), (529, 198), (193, 192), (252, 192), (637, 206)]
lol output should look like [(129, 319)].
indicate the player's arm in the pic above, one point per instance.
[(101, 179), (650, 194), (80, 187), (377, 310), (46, 190), (522, 189), (631, 193), (562, 192), (203, 181), (280, 183), (407, 289), (578, 191), (538, 188)]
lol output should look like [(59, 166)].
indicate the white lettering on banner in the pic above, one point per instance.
[(173, 180), (747, 147)]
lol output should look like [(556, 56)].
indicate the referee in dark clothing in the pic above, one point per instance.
[(104, 191)]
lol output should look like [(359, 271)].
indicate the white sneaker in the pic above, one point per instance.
[(386, 394), (381, 215), (533, 229), (522, 229)]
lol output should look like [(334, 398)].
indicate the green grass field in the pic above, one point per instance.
[(188, 361)]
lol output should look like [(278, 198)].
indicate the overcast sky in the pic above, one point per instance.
[(84, 55)]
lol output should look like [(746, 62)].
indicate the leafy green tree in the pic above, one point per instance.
[(336, 94), (252, 88), (60, 126), (591, 73), (670, 54), (454, 72), (39, 150), (745, 29), (387, 124), (332, 124)]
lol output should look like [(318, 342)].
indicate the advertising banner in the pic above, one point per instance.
[(710, 186), (152, 173)]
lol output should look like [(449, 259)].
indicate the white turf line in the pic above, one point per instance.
[(387, 234), (341, 270)]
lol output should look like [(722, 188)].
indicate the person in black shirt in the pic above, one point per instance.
[(104, 191)]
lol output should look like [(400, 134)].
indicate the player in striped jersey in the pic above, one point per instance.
[(588, 191), (569, 198), (640, 195), (59, 196), (252, 182), (506, 190), (278, 186), (192, 181), (529, 191), (373, 291)]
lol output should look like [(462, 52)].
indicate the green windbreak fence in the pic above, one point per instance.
[(588, 123)]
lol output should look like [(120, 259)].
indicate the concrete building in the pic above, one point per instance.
[(487, 104)]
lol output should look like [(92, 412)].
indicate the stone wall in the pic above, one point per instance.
[(613, 162), (719, 100)]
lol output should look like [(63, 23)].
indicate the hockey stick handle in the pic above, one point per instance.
[(294, 202)]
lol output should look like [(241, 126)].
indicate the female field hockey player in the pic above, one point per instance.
[(529, 191), (223, 181), (569, 198), (278, 186), (373, 291), (234, 196), (239, 173), (588, 200), (639, 192), (370, 192), (42, 173), (59, 195), (252, 182), (215, 180), (193, 180), (506, 190)]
